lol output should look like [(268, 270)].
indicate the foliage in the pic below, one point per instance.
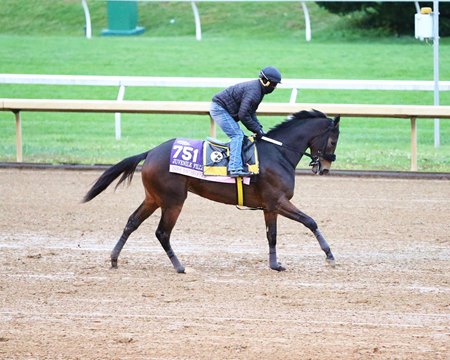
[(389, 17)]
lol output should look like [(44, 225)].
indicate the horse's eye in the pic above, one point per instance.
[(333, 143)]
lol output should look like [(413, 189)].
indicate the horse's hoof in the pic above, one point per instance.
[(331, 262), (113, 264), (181, 270), (278, 267)]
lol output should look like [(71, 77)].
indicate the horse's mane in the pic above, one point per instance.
[(298, 116)]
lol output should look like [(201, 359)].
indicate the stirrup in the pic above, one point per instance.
[(240, 173)]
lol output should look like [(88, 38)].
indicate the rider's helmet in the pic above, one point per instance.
[(270, 76)]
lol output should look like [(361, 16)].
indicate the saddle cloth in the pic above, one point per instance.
[(208, 159)]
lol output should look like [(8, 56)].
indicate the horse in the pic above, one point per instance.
[(279, 153)]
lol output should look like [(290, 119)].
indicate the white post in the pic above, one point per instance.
[(293, 98), (87, 16), (18, 136), (307, 22), (413, 144), (120, 96), (437, 140), (198, 26)]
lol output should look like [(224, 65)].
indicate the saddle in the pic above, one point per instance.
[(209, 159), (216, 155)]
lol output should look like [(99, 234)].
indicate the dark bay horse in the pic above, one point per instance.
[(269, 191)]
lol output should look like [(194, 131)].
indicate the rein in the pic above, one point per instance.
[(279, 143), (315, 161)]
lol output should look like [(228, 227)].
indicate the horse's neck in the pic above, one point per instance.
[(296, 139), (293, 146)]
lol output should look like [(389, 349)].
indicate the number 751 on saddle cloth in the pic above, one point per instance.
[(208, 160)]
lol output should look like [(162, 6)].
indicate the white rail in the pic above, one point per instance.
[(202, 108), (205, 82), (209, 82)]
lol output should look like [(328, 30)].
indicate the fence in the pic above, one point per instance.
[(202, 108), (294, 85)]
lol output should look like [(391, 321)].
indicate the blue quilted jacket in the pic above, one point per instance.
[(241, 101)]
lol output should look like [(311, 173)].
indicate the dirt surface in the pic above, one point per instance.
[(387, 298)]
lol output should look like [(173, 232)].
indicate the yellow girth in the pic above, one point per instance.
[(240, 191)]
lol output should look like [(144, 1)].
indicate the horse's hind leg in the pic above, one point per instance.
[(135, 219), (168, 219)]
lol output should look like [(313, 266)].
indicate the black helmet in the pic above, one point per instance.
[(271, 74)]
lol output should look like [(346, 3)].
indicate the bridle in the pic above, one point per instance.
[(315, 159), (322, 154)]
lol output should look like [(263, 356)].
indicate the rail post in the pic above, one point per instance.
[(117, 116), (18, 136), (212, 130), (413, 144)]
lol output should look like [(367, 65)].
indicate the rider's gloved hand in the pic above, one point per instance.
[(260, 134)]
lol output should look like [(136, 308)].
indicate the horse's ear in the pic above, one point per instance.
[(336, 120)]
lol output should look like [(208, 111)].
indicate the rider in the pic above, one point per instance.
[(239, 103)]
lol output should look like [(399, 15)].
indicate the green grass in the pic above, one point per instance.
[(238, 39), (168, 19), (89, 139)]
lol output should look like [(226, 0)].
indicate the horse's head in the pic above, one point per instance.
[(323, 146), (308, 129)]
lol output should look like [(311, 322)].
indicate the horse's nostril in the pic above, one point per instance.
[(324, 172)]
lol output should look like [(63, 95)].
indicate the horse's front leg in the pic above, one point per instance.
[(288, 210), (271, 233)]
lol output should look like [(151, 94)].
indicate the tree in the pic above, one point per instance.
[(393, 17)]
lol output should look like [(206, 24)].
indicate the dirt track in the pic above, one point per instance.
[(388, 297)]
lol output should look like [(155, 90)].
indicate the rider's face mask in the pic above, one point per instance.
[(268, 85)]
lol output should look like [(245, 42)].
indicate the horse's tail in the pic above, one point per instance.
[(126, 167)]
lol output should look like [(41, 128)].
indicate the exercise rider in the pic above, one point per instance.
[(239, 103)]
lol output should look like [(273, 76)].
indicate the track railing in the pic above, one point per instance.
[(411, 112), (294, 85)]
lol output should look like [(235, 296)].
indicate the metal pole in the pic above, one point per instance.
[(87, 16), (198, 25), (307, 22), (437, 140)]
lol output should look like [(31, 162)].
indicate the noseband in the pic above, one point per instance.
[(315, 159)]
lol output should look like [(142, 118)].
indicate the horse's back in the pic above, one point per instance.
[(159, 156), (158, 181)]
